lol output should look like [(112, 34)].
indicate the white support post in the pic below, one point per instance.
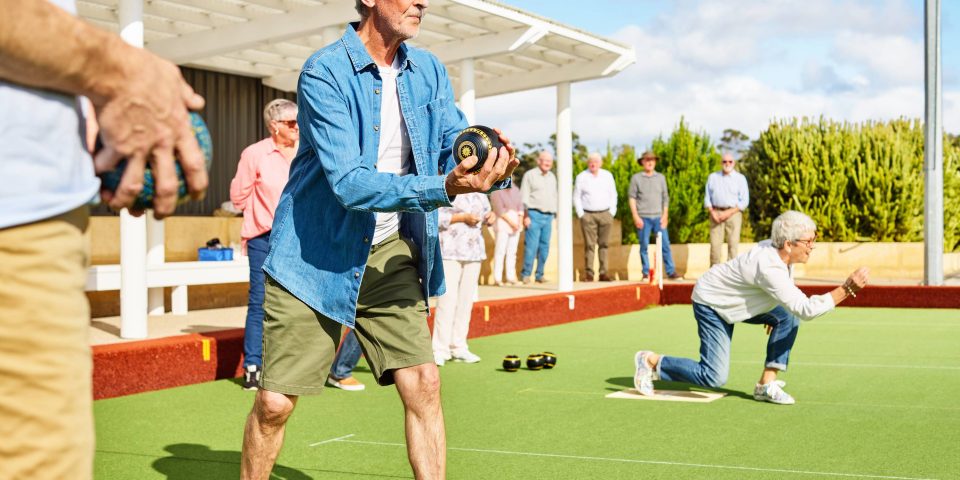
[(130, 15), (565, 187), (468, 92), (133, 275), (133, 230), (156, 255), (178, 300), (932, 149)]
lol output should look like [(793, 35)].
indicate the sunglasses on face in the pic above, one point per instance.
[(288, 123)]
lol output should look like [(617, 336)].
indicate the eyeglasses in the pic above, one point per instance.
[(808, 242), (728, 162), (288, 123)]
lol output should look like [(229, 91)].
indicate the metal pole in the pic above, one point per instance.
[(565, 187), (133, 230), (932, 149)]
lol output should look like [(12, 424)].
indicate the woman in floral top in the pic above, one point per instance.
[(462, 248)]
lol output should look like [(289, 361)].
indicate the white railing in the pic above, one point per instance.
[(178, 275)]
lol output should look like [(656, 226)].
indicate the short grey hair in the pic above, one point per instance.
[(595, 155), (790, 226), (275, 109)]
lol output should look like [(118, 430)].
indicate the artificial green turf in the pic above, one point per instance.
[(876, 394)]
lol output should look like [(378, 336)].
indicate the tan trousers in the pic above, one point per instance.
[(730, 227), (596, 233), (46, 411)]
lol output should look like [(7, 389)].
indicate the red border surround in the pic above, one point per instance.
[(133, 367), (888, 296)]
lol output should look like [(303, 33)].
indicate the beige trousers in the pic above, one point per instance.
[(730, 227), (596, 234), (46, 409)]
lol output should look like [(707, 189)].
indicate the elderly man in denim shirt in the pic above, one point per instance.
[(354, 242)]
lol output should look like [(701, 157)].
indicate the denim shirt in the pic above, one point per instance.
[(326, 216)]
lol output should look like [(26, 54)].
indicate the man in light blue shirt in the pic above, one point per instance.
[(727, 196), (355, 237)]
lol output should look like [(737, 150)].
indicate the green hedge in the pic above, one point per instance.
[(859, 182)]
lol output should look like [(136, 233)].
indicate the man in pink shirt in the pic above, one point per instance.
[(261, 175)]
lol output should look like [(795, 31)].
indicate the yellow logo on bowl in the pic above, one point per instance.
[(465, 150)]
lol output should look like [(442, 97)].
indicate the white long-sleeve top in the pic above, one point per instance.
[(595, 192), (755, 283)]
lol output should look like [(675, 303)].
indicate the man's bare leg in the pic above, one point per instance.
[(263, 433), (419, 389)]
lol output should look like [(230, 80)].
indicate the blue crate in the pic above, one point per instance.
[(215, 254)]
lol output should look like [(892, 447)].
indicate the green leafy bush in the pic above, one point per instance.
[(686, 160), (857, 181)]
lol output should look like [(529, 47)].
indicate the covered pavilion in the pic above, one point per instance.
[(489, 48)]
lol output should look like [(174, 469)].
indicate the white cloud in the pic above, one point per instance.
[(740, 64)]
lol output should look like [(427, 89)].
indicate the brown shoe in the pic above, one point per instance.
[(605, 278), (675, 276), (587, 278), (349, 384)]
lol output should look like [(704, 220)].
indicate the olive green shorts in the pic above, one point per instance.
[(299, 343)]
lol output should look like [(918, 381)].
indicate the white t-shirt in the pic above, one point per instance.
[(393, 155), (44, 165), (755, 283)]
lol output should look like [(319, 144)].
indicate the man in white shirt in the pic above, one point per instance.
[(726, 196), (756, 287), (595, 200)]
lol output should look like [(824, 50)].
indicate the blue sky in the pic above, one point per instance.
[(739, 64)]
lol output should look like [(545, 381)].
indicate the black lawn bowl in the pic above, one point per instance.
[(549, 360), (511, 363), (476, 140), (535, 361)]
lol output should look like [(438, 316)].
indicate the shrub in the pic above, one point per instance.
[(857, 181)]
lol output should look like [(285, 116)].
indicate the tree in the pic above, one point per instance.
[(735, 142), (686, 159)]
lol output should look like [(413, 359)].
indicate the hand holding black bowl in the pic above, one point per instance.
[(479, 141)]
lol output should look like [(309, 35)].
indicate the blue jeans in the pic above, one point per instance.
[(257, 249), (715, 337), (536, 242), (651, 225), (347, 357)]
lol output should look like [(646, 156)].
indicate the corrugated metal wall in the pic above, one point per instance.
[(234, 114)]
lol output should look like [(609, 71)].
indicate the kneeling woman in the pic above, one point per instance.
[(756, 287)]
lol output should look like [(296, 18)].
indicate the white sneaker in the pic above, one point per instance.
[(440, 359), (643, 378), (466, 356), (773, 393)]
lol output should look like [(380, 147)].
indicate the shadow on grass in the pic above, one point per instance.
[(190, 461), (627, 382)]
